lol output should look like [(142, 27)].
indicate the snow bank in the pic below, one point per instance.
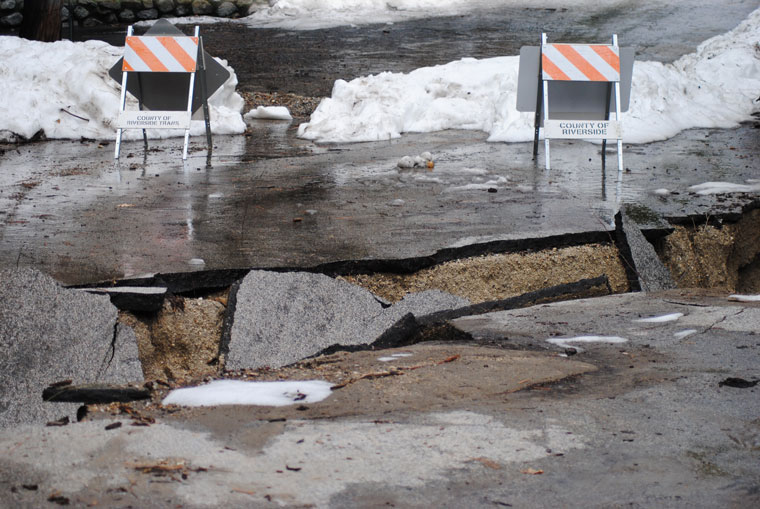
[(716, 86), (239, 392), (64, 90)]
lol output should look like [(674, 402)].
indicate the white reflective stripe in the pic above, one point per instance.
[(563, 63)]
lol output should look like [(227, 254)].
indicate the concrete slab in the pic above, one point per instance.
[(650, 273), (445, 425), (281, 318), (49, 334)]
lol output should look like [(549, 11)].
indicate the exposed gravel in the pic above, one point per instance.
[(492, 277)]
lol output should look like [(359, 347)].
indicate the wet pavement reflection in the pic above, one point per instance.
[(272, 200)]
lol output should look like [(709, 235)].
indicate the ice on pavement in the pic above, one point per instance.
[(724, 188), (63, 89), (684, 333), (568, 342), (744, 298), (394, 356), (239, 392), (670, 317), (714, 87)]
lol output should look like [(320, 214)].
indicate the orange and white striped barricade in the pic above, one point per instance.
[(158, 54), (591, 63)]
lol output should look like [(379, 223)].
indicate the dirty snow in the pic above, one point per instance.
[(566, 342), (716, 86), (684, 333), (63, 89), (724, 188), (670, 317), (238, 392), (744, 298), (394, 357)]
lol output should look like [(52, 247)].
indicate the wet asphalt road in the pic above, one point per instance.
[(308, 62), (70, 211), (272, 200)]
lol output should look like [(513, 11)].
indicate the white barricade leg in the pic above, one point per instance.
[(122, 103)]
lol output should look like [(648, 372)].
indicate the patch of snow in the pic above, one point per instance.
[(671, 317), (661, 192), (724, 188), (566, 342), (716, 86), (684, 333), (394, 357), (269, 113), (63, 89), (239, 392), (744, 298)]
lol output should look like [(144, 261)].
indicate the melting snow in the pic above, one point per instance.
[(238, 392), (716, 86), (63, 89), (270, 113), (672, 317)]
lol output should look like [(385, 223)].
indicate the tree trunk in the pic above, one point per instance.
[(42, 20)]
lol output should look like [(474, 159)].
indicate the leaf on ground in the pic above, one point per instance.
[(487, 462)]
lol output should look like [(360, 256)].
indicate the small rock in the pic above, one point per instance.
[(201, 7), (12, 20), (127, 15), (147, 14), (164, 6), (738, 383), (226, 9)]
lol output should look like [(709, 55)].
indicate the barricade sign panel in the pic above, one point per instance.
[(159, 69), (160, 54), (580, 62), (573, 89)]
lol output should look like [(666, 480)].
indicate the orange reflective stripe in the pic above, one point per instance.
[(579, 62), (552, 70), (142, 51), (125, 66), (608, 56), (178, 52)]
